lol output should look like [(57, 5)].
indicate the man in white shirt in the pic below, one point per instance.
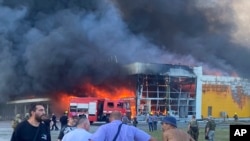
[(80, 133)]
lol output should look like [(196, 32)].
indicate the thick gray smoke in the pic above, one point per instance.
[(56, 45), (202, 29)]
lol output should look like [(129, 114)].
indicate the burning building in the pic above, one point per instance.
[(185, 91), (175, 89), (60, 48), (164, 88)]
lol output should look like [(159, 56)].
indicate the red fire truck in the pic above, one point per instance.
[(97, 109)]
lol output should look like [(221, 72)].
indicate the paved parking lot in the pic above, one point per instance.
[(6, 130)]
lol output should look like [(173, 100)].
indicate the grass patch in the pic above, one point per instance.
[(221, 134)]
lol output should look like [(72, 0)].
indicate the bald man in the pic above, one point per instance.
[(110, 131), (80, 133)]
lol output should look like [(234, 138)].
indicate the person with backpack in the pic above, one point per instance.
[(193, 128)]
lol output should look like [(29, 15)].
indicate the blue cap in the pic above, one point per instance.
[(170, 120)]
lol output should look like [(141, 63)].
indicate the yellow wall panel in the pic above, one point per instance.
[(222, 101)]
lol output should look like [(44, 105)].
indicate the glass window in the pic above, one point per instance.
[(120, 105), (110, 104), (82, 110), (72, 109)]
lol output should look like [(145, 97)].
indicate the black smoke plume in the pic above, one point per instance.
[(56, 45)]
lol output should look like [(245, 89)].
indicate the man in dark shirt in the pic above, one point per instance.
[(210, 129), (64, 119), (46, 120), (54, 122), (71, 125), (32, 129)]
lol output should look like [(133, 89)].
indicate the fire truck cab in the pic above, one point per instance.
[(96, 109)]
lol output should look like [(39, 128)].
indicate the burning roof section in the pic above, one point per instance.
[(160, 69), (234, 83)]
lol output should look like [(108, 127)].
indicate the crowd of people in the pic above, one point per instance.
[(152, 121), (36, 126)]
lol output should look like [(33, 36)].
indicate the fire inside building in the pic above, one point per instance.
[(178, 90)]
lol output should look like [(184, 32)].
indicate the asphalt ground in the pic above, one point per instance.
[(6, 130)]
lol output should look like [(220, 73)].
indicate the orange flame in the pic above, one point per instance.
[(61, 102), (95, 91), (114, 93)]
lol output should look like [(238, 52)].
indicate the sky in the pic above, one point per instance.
[(50, 46)]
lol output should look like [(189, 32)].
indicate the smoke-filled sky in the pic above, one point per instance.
[(56, 45)]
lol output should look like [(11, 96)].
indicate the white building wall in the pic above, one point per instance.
[(198, 104)]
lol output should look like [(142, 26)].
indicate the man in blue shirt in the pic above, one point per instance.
[(108, 131), (81, 133), (150, 123)]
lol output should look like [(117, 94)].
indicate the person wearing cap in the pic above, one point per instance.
[(71, 125), (170, 132), (117, 131)]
